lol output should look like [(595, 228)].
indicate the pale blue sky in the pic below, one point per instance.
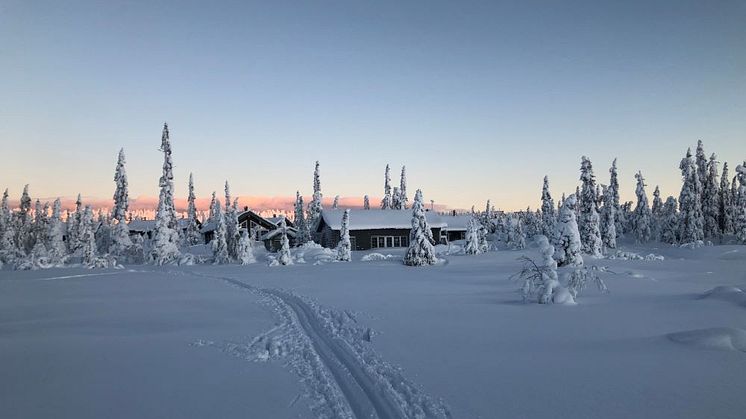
[(478, 99)]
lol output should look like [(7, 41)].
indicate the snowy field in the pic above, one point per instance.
[(374, 338)]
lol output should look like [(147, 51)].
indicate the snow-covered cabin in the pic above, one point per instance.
[(273, 239), (371, 229), (145, 228), (247, 219), (456, 229)]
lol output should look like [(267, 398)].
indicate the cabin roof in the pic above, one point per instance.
[(377, 219)]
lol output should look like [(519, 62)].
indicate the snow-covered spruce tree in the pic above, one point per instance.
[(471, 247), (421, 251), (396, 199), (314, 207), (642, 216), (608, 221), (488, 217), (8, 250), (87, 237), (219, 242), (304, 234), (24, 239), (193, 236), (55, 233), (246, 249), (613, 191), (739, 219), (403, 189), (39, 226), (567, 252), (657, 208), (103, 232), (344, 247), (516, 238), (589, 221), (692, 222), (283, 256), (121, 193), (548, 216), (711, 199), (386, 201), (669, 222), (366, 202), (230, 217), (335, 203), (119, 233), (482, 235), (165, 246), (700, 160), (211, 214), (725, 203)]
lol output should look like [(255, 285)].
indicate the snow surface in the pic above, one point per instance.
[(376, 338)]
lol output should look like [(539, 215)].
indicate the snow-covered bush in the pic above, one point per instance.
[(577, 278), (472, 238), (246, 249)]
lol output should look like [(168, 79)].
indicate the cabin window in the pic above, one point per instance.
[(388, 241)]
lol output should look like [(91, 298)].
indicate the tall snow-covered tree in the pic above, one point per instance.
[(420, 251), (548, 216), (471, 247), (103, 232), (88, 238), (642, 215), (700, 160), (657, 208), (366, 202), (725, 204), (211, 214), (613, 191), (386, 201), (739, 219), (589, 221), (304, 234), (192, 231), (283, 256), (230, 218), (314, 207), (608, 221), (119, 231), (692, 222), (335, 203), (55, 233), (7, 232), (121, 193), (516, 238), (219, 242), (165, 246), (246, 249), (403, 189), (567, 251), (669, 222), (396, 199), (711, 199), (344, 247)]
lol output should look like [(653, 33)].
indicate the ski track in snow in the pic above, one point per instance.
[(369, 387)]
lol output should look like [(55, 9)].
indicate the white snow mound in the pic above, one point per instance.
[(721, 338), (731, 294)]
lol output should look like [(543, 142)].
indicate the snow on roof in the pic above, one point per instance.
[(376, 219), (276, 232), (457, 222)]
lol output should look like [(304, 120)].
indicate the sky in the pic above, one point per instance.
[(479, 100)]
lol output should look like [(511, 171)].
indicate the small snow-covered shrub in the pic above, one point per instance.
[(620, 255), (577, 279), (374, 257), (314, 253)]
